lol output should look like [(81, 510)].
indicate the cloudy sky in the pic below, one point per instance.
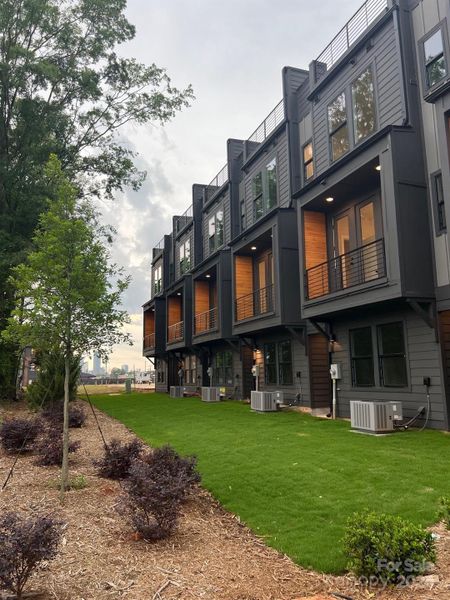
[(232, 52)]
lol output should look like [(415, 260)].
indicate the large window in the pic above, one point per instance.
[(278, 363), (391, 355), (338, 127), (223, 368), (435, 65), (215, 231), (439, 205), (363, 106), (264, 190), (157, 279), (308, 161), (185, 256), (190, 369), (361, 349)]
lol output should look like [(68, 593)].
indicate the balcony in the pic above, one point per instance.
[(175, 332), (258, 302), (149, 340), (219, 181), (359, 266), (205, 321)]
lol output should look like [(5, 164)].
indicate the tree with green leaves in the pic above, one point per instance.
[(64, 89), (64, 296)]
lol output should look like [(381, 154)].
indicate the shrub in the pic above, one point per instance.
[(151, 505), (116, 460), (387, 549), (25, 543), (78, 482), (54, 414), (444, 511), (49, 384), (155, 488), (183, 470), (50, 449), (19, 434)]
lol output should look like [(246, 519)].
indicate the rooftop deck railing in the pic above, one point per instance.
[(269, 124), (362, 265), (351, 31), (184, 219), (219, 180)]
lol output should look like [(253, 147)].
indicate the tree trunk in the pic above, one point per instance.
[(65, 460)]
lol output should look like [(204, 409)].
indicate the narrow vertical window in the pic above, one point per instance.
[(338, 127), (219, 228), (185, 256), (391, 355), (361, 349), (270, 363), (435, 65), (308, 161), (212, 233), (257, 190), (271, 179), (284, 363), (438, 196), (363, 99)]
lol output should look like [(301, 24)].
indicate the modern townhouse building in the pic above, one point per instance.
[(323, 239)]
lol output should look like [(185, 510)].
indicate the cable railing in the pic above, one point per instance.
[(269, 124), (184, 219), (254, 304), (158, 248), (205, 321), (356, 267), (351, 31), (149, 340), (175, 332), (219, 180)]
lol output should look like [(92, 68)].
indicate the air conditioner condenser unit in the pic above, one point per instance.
[(263, 401), (211, 394), (373, 417), (176, 391)]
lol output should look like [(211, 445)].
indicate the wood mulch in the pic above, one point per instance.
[(211, 556)]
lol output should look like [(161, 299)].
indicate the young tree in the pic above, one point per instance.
[(64, 89), (65, 298)]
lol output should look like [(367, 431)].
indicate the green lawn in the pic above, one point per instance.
[(292, 478)]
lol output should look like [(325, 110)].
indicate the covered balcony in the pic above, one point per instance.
[(175, 322), (149, 329), (205, 303), (253, 277)]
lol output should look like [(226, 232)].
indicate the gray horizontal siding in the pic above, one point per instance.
[(423, 359), (384, 57)]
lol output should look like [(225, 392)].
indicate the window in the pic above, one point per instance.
[(337, 127), (439, 205), (185, 256), (157, 279), (242, 215), (435, 66), (308, 162), (160, 374), (361, 349), (363, 106), (265, 190), (278, 363), (391, 355), (223, 371), (215, 231), (190, 369)]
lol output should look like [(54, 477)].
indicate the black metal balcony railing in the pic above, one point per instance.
[(257, 303), (206, 321), (184, 219), (269, 124), (149, 340), (356, 267), (351, 31), (219, 180), (175, 332)]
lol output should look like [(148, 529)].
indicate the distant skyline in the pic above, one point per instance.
[(232, 53)]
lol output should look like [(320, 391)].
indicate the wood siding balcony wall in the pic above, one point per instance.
[(175, 326), (315, 247), (243, 266)]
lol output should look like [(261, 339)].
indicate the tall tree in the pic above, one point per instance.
[(64, 296), (65, 90)]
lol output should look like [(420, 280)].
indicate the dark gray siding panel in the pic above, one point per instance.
[(423, 360), (384, 57)]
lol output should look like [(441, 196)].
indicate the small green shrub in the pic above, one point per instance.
[(387, 549), (444, 510), (78, 482)]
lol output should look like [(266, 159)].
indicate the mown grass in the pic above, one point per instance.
[(293, 479)]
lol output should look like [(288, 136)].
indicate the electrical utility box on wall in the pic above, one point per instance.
[(335, 371)]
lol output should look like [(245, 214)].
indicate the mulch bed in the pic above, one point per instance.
[(212, 556)]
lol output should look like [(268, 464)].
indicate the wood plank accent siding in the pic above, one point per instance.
[(319, 371), (149, 322), (315, 240), (243, 279), (174, 312), (201, 297)]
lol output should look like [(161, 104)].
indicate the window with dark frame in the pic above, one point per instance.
[(185, 256), (278, 363), (242, 215), (308, 161), (338, 127), (438, 194), (363, 100), (215, 230), (391, 355), (435, 63), (223, 370), (257, 189), (265, 190), (157, 279), (361, 352), (271, 184)]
